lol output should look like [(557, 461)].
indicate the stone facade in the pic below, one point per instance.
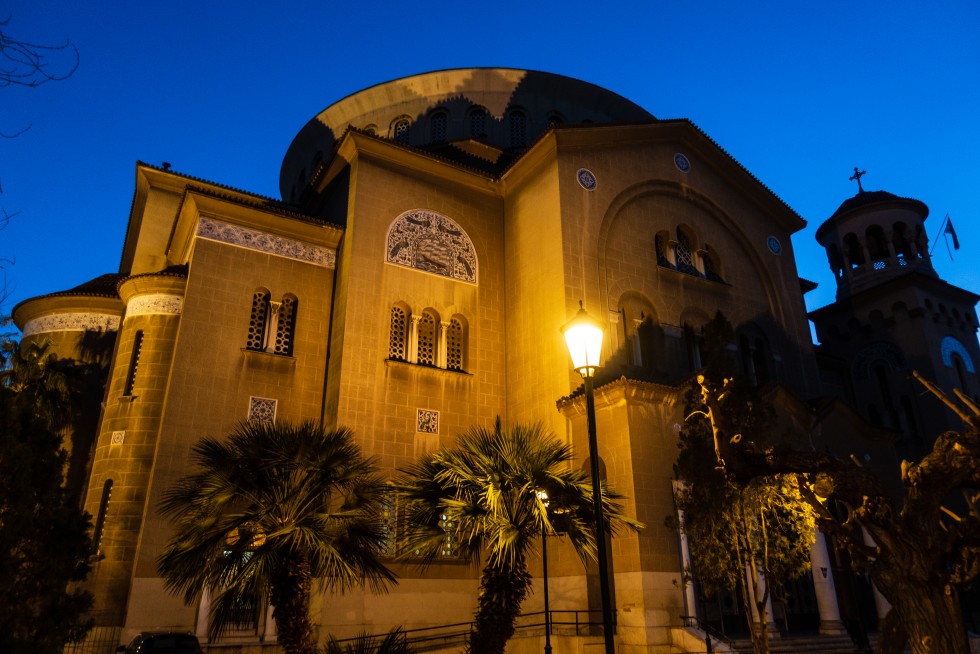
[(412, 284)]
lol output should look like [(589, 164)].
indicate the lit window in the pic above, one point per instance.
[(685, 257), (267, 318), (425, 340)]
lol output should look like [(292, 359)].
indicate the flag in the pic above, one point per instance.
[(952, 232)]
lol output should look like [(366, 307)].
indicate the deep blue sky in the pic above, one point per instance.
[(798, 92)]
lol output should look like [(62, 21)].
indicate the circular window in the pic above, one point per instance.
[(774, 245), (682, 163)]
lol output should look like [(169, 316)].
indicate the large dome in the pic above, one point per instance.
[(504, 107)]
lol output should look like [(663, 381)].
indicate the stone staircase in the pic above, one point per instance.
[(812, 644)]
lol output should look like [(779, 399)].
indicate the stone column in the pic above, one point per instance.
[(413, 339), (441, 349), (690, 598), (882, 605), (824, 587), (770, 619)]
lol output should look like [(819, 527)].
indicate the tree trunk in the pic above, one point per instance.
[(291, 588), (931, 617), (501, 594)]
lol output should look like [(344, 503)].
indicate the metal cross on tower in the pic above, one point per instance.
[(856, 177)]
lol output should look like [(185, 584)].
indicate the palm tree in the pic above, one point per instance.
[(489, 487), (269, 513)]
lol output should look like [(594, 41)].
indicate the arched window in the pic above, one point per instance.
[(101, 519), (286, 326), (371, 129), (854, 250), (258, 320), (711, 270), (518, 129), (960, 372), (437, 127), (664, 254), (478, 122), (134, 363), (454, 345), (555, 119), (877, 243), (399, 131), (398, 335), (427, 339), (684, 253)]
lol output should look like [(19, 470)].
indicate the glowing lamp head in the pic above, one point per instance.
[(583, 335)]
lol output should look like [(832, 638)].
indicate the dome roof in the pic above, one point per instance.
[(865, 201), (457, 94)]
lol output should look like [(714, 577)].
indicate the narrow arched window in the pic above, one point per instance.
[(258, 320), (101, 518), (399, 131), (684, 254), (518, 129), (437, 127), (454, 345), (478, 123), (398, 337), (710, 268), (427, 339), (661, 246), (134, 363), (286, 326)]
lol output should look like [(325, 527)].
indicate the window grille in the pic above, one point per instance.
[(427, 340), (134, 363), (685, 258), (478, 123), (450, 546), (400, 131), (398, 336), (389, 525), (286, 326), (258, 320), (100, 520), (454, 345), (518, 129), (438, 127)]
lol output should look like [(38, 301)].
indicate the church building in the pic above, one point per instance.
[(433, 235)]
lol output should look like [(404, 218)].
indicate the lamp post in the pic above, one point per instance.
[(583, 335), (543, 496)]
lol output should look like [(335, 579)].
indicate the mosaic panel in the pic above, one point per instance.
[(158, 303), (433, 243), (262, 409), (427, 421)]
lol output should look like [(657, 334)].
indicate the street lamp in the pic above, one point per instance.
[(543, 496), (583, 335)]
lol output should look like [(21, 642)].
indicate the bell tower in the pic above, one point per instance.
[(893, 314)]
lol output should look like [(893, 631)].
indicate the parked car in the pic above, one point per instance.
[(163, 642)]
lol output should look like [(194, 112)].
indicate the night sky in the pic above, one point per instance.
[(798, 92)]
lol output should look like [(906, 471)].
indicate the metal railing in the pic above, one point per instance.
[(423, 639), (710, 633)]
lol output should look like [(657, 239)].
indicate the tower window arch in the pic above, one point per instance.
[(684, 253), (398, 334), (665, 254), (286, 325), (950, 346), (425, 340)]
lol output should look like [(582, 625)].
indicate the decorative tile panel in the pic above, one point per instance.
[(253, 239), (118, 437), (427, 421), (430, 242), (157, 303), (262, 409), (72, 322)]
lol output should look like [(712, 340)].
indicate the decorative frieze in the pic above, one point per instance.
[(253, 239), (72, 322), (154, 303)]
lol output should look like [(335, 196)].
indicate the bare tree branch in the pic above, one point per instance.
[(25, 63)]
